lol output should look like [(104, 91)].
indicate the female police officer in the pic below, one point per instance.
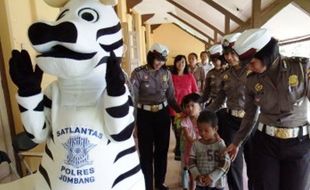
[(153, 91), (213, 78), (279, 86), (233, 89)]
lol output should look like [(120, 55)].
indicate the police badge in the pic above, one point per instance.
[(77, 148)]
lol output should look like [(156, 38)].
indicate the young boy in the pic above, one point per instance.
[(208, 163)]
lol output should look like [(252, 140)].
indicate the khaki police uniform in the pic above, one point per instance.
[(212, 85), (153, 91), (281, 143), (232, 90)]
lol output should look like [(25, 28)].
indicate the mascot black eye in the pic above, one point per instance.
[(88, 14)]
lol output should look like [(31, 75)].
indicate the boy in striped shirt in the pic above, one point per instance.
[(208, 163)]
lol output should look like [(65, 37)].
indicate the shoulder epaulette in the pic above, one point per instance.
[(303, 60), (140, 68)]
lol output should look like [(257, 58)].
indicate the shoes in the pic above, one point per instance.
[(161, 187)]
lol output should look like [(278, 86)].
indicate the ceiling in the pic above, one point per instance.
[(210, 20)]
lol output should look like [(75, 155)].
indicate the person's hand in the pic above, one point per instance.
[(208, 181), (205, 180), (232, 151), (200, 179), (22, 74), (115, 77)]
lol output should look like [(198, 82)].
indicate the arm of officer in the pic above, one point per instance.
[(247, 123), (219, 101), (170, 95), (308, 79), (135, 85)]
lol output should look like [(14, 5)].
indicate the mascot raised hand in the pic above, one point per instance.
[(86, 115)]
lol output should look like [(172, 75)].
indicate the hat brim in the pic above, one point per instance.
[(248, 54)]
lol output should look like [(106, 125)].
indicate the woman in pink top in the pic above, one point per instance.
[(184, 83)]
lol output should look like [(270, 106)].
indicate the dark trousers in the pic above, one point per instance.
[(281, 164), (228, 126), (207, 188), (153, 138)]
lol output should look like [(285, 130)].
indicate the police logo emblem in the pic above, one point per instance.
[(146, 77), (164, 53), (293, 80), (259, 87), (226, 43), (77, 151)]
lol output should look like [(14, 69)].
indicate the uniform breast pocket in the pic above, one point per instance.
[(146, 88), (212, 83), (226, 87), (296, 92), (266, 101)]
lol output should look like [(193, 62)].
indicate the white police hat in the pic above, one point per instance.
[(251, 41), (159, 49), (216, 50), (230, 39)]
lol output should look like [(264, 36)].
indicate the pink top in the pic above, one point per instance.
[(183, 85), (193, 132)]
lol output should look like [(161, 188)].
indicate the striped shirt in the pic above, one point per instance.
[(207, 159)]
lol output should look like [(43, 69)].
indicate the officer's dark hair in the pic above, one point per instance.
[(178, 58), (192, 97), (208, 117), (221, 58), (193, 54), (269, 53), (150, 58), (228, 49)]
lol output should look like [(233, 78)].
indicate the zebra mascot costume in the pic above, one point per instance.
[(86, 115)]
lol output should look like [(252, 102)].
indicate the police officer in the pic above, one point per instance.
[(279, 86), (213, 78), (233, 89), (153, 89)]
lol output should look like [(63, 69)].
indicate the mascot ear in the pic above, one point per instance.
[(109, 2), (56, 3)]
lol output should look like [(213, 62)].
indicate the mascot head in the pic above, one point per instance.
[(80, 40)]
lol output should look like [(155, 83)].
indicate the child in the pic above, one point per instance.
[(191, 104), (208, 163)]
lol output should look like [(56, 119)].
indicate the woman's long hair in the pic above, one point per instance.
[(177, 59)]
